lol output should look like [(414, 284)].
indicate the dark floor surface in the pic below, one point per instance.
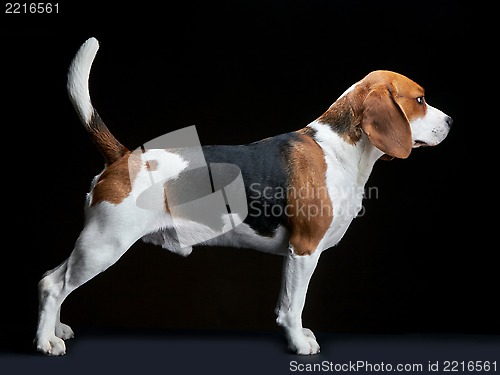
[(197, 352)]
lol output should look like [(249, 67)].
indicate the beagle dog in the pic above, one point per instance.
[(311, 181)]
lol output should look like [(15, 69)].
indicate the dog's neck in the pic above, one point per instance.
[(339, 132), (370, 154), (357, 158), (344, 118)]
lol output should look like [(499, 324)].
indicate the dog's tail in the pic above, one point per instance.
[(78, 90)]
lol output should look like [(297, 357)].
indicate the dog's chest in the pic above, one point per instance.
[(348, 169), (346, 194)]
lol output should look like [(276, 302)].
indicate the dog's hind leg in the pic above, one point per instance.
[(62, 330), (101, 243), (51, 281)]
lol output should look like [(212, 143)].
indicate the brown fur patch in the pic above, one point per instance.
[(403, 90), (115, 183), (167, 207), (381, 105), (309, 206), (152, 165), (343, 117), (108, 145)]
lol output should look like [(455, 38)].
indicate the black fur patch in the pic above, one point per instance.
[(264, 168)]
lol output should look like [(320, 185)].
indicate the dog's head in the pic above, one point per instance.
[(392, 111)]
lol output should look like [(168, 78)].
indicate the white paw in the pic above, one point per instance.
[(308, 333), (304, 343), (53, 346), (64, 331)]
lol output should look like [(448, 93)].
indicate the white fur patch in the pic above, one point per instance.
[(348, 169), (78, 77), (430, 129)]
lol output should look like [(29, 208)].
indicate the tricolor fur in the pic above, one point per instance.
[(310, 181)]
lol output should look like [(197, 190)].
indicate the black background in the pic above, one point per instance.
[(422, 258)]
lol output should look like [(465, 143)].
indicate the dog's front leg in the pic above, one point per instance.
[(297, 272)]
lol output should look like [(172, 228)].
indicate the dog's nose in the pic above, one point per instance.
[(449, 121)]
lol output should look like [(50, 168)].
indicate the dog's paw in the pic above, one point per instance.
[(63, 331), (304, 343), (53, 346)]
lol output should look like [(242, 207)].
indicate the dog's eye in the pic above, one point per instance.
[(420, 100)]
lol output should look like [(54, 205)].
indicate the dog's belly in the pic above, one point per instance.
[(242, 236)]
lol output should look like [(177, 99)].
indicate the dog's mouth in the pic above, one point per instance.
[(419, 143)]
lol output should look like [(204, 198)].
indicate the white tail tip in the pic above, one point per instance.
[(78, 77)]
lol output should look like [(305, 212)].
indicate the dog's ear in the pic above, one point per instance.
[(385, 123)]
